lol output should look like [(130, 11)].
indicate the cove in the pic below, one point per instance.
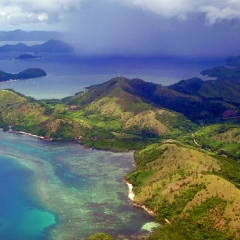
[(65, 191)]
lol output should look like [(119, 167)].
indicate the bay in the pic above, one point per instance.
[(57, 190)]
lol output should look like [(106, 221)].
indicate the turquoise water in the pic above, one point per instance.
[(20, 215), (59, 190)]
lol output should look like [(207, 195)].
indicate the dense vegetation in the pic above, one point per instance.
[(186, 137), (100, 236)]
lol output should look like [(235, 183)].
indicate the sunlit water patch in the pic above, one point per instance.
[(82, 188)]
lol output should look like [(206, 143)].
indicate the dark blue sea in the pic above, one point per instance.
[(71, 73)]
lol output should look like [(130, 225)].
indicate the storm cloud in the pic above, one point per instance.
[(150, 27)]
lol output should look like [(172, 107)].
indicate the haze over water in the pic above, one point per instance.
[(71, 73)]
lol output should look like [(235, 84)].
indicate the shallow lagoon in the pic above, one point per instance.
[(80, 189)]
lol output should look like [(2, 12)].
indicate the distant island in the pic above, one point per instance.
[(26, 56), (51, 46), (19, 35), (26, 74)]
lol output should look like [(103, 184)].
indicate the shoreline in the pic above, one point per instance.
[(30, 134), (6, 81), (131, 196)]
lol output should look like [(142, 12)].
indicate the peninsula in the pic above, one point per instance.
[(26, 74)]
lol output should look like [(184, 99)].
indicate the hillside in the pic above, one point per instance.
[(211, 108), (223, 73), (223, 90), (26, 74), (221, 138), (188, 189), (123, 111), (105, 117)]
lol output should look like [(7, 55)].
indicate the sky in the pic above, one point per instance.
[(184, 28)]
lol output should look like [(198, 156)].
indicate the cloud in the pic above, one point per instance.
[(165, 8), (150, 27), (49, 11), (129, 29), (215, 15), (214, 11), (27, 11)]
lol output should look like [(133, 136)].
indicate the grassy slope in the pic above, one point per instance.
[(220, 138), (184, 186), (114, 113)]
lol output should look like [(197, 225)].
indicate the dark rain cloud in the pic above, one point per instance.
[(149, 27)]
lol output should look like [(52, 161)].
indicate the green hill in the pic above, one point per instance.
[(113, 119), (189, 191), (221, 138), (223, 73), (223, 90), (211, 108)]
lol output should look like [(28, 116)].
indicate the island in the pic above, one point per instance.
[(185, 138), (51, 46), (26, 56), (20, 35), (26, 74)]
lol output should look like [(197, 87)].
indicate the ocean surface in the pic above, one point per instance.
[(71, 73), (53, 190)]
